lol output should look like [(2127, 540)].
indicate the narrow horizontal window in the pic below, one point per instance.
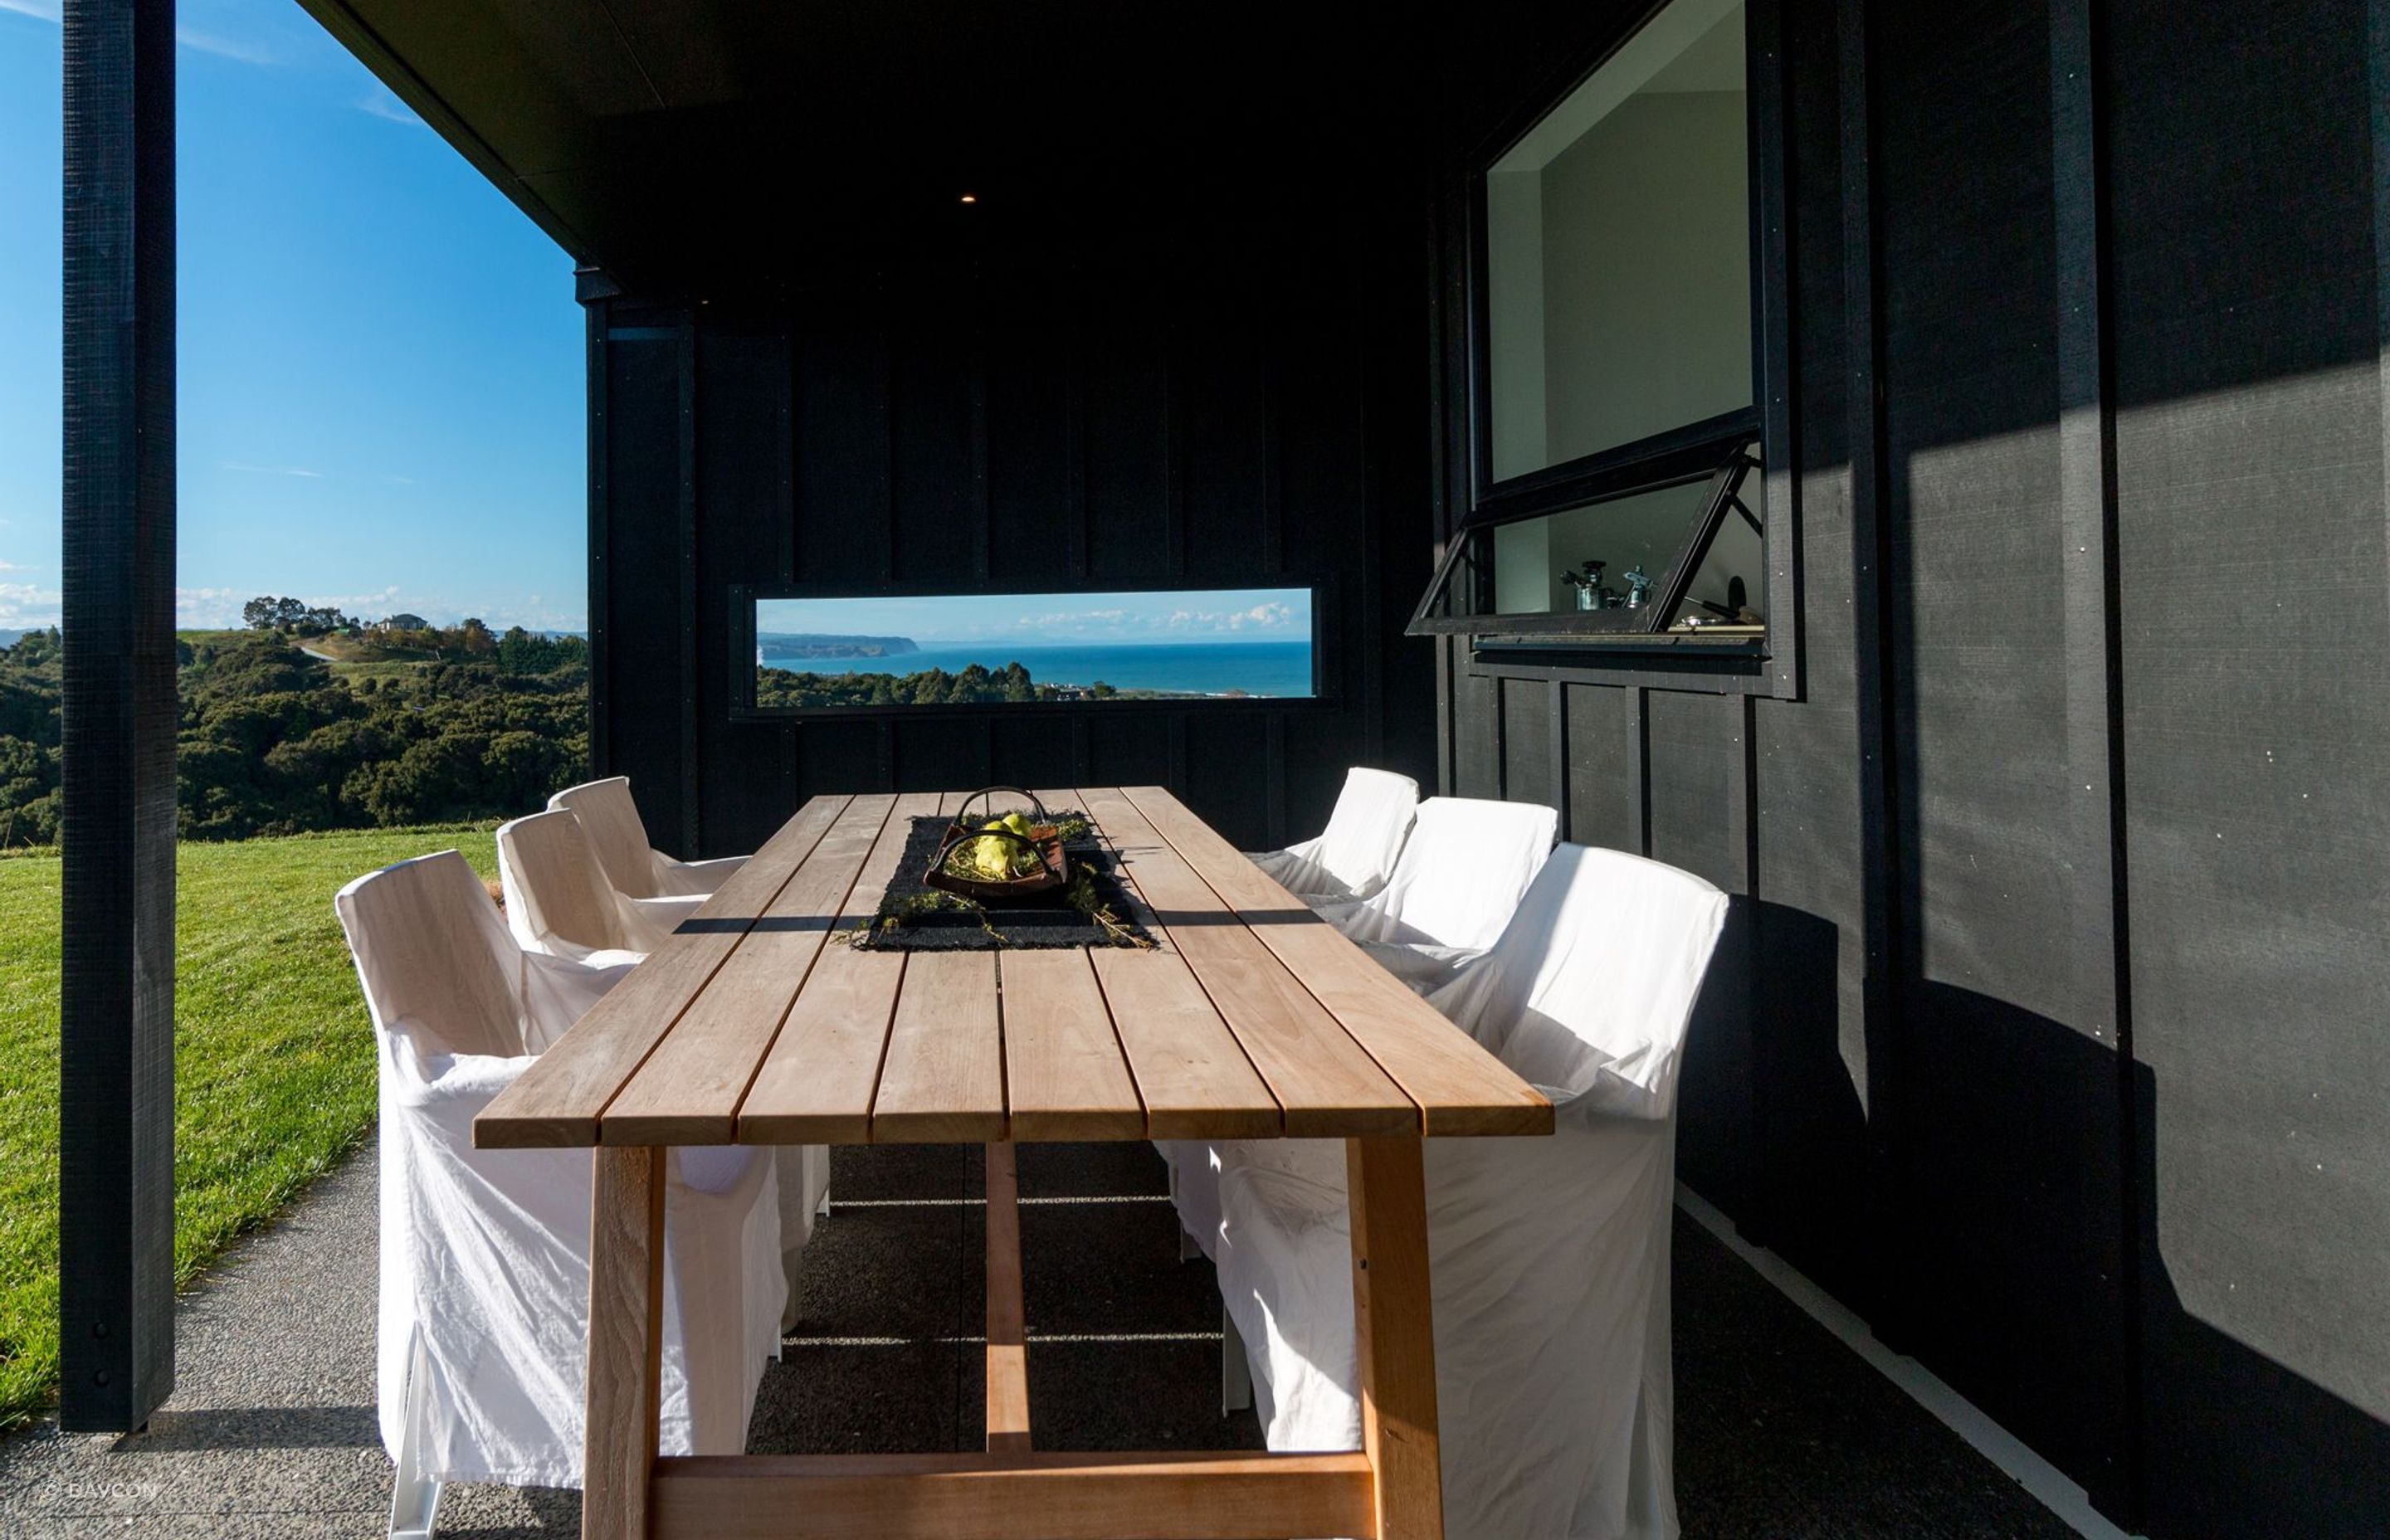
[(1184, 645)]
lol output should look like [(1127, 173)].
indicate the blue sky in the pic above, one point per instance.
[(380, 358), (1240, 614)]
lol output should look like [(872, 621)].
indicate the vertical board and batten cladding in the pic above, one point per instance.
[(1012, 405), (2047, 1032), (2245, 178), (1812, 1075), (2006, 1135)]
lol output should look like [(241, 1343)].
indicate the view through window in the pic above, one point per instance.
[(1185, 644)]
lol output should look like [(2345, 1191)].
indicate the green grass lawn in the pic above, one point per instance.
[(273, 1076)]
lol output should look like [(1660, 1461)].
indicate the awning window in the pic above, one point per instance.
[(1675, 546)]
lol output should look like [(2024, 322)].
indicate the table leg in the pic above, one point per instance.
[(625, 1384), (1394, 1334), (1008, 1338)]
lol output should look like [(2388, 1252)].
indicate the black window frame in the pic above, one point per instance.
[(1720, 451), (1326, 661), (1501, 645)]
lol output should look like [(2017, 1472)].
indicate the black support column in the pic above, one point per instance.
[(116, 1220)]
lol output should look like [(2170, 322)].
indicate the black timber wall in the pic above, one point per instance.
[(2048, 1033), (1184, 364)]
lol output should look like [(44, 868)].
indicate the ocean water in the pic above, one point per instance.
[(1206, 668)]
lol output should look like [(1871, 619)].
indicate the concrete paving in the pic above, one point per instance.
[(1781, 1431)]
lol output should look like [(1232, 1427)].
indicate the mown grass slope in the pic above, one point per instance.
[(273, 1057)]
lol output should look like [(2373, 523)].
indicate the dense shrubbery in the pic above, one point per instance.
[(974, 685), (273, 741)]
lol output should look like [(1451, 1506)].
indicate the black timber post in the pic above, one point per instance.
[(594, 289), (116, 1128)]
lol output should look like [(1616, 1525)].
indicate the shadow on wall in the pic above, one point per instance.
[(1765, 1073), (1976, 1209), (2238, 1443)]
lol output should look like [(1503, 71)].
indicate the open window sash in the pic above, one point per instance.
[(1535, 555)]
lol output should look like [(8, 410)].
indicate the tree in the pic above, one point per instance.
[(268, 613)]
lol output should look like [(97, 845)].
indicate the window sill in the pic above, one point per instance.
[(1717, 665)]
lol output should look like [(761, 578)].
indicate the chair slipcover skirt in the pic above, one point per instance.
[(484, 1254), (1549, 1258)]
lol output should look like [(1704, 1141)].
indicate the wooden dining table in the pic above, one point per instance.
[(1252, 1019)]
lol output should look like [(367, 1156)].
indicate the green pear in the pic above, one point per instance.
[(991, 857)]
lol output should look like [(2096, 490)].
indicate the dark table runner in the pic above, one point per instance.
[(906, 921)]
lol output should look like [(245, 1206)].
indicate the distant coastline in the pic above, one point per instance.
[(785, 644), (1197, 670)]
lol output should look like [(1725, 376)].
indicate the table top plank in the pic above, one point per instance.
[(1064, 1076), (818, 1079), (1326, 1084), (1190, 1071), (942, 1082), (558, 1101), (690, 1089), (1186, 1065), (1462, 1089), (1252, 1019)]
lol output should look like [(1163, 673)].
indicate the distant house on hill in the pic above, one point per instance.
[(403, 622)]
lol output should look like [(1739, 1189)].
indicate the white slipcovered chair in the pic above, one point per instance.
[(1548, 1258), (1459, 876), (1453, 889), (484, 1265), (635, 868), (1353, 856), (560, 902)]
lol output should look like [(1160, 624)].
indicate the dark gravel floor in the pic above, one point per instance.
[(1782, 1433)]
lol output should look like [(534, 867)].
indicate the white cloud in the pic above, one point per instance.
[(1078, 620), (27, 607), (384, 105), (189, 37), (384, 599), (207, 609), (1268, 616), (10, 567), (273, 470), (224, 47)]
